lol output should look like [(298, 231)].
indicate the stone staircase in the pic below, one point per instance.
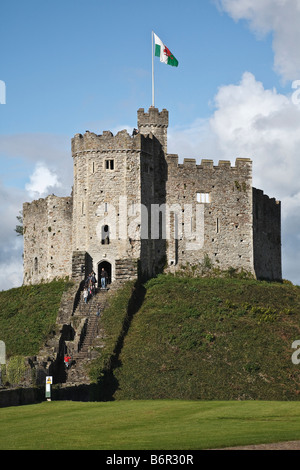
[(88, 334), (91, 332), (77, 332)]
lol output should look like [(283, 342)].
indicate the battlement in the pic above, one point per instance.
[(91, 142), (172, 159), (260, 196), (149, 124), (152, 118), (154, 122)]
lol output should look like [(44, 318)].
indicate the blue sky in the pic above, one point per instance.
[(70, 64), (73, 65)]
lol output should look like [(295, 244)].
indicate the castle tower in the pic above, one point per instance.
[(106, 193), (116, 180), (134, 210), (154, 122)]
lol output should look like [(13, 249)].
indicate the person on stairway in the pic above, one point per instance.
[(85, 294), (67, 360)]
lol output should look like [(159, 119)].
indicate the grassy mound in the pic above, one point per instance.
[(205, 338), (27, 315), (177, 337)]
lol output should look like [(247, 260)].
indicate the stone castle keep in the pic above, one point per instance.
[(136, 211)]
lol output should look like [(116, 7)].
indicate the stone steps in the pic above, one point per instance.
[(77, 329), (77, 374), (91, 332)]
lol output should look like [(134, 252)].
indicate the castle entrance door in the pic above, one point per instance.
[(107, 266)]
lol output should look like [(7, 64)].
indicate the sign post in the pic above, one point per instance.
[(48, 387)]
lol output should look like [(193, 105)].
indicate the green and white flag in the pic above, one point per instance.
[(164, 53)]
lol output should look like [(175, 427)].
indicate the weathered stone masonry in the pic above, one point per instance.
[(47, 239), (135, 209)]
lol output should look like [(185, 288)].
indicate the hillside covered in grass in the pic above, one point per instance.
[(27, 315), (202, 338), (176, 337)]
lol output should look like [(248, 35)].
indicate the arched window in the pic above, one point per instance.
[(105, 235)]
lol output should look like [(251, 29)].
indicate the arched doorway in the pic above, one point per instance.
[(107, 267)]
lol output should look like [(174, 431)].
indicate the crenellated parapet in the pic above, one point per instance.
[(154, 122), (260, 196), (154, 118), (240, 163), (91, 142)]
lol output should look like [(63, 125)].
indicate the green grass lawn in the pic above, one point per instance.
[(147, 425)]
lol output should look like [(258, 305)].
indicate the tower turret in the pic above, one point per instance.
[(154, 122)]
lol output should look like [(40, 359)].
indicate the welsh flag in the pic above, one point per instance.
[(164, 53)]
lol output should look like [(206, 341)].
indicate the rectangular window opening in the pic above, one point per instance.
[(203, 198), (109, 164)]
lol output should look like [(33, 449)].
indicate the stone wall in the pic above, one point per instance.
[(80, 266), (21, 396), (47, 239), (211, 209), (153, 197), (107, 192), (266, 236), (35, 227)]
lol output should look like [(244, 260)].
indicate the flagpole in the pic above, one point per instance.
[(152, 71)]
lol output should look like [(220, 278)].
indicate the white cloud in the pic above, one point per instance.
[(193, 140), (279, 17), (52, 173), (51, 151), (42, 181), (11, 273), (251, 121), (11, 245)]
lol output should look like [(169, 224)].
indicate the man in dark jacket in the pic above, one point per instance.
[(104, 277)]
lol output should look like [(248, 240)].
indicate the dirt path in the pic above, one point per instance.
[(290, 445)]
